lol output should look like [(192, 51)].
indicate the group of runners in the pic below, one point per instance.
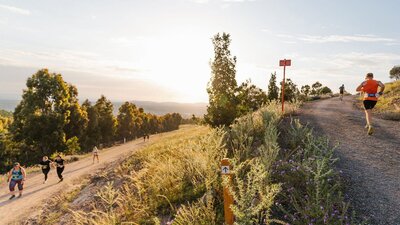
[(370, 90), (17, 175)]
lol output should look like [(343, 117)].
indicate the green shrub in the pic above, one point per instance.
[(311, 193), (73, 146)]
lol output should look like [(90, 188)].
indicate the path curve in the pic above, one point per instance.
[(370, 164), (35, 192)]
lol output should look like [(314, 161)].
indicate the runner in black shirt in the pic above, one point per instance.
[(45, 167), (60, 166)]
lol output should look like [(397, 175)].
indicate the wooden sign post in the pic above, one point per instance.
[(228, 198), (284, 63)]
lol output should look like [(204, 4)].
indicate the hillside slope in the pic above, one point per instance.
[(389, 104)]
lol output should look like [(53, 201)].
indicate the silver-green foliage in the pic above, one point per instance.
[(255, 149)]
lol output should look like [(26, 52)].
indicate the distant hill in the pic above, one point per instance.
[(5, 113), (158, 108), (161, 108), (8, 105)]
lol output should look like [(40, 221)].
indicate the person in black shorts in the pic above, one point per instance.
[(341, 92), (372, 90), (45, 163), (59, 162)]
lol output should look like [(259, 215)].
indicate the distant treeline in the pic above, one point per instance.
[(50, 119)]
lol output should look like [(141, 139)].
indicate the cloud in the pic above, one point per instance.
[(125, 69), (320, 39), (200, 1), (90, 85), (14, 9), (226, 1), (349, 66), (72, 60), (343, 38), (238, 0), (125, 41)]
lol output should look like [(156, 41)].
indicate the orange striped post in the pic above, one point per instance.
[(228, 198)]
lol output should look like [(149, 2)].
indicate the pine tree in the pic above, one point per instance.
[(273, 90), (222, 108)]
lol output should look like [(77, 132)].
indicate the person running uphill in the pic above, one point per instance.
[(95, 154), (341, 92), (60, 167), (45, 167), (370, 98), (16, 176)]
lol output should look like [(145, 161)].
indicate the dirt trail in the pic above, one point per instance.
[(35, 192), (370, 164)]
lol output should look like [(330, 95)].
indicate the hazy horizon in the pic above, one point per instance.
[(160, 50)]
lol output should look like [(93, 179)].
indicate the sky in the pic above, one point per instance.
[(160, 50)]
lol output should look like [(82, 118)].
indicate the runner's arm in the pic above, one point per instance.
[(9, 176), (359, 88), (23, 173), (381, 85)]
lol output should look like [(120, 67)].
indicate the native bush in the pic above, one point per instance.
[(311, 193)]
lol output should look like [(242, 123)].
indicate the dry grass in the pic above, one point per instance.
[(153, 183), (389, 104), (177, 180)]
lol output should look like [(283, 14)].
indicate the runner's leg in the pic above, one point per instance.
[(12, 187), (45, 172), (59, 172), (20, 187), (368, 116)]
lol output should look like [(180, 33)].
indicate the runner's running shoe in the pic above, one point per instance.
[(370, 130)]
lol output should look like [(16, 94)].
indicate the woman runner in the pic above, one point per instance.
[(45, 167), (95, 154), (60, 166), (16, 176)]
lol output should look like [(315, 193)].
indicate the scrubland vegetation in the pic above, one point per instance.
[(389, 104), (281, 175)]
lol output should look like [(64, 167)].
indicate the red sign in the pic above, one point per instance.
[(285, 62)]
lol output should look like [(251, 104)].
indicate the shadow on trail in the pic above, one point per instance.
[(7, 201)]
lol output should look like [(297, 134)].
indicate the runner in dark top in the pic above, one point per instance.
[(45, 163), (341, 91), (59, 162)]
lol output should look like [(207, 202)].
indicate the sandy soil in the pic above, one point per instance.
[(35, 192), (369, 164)]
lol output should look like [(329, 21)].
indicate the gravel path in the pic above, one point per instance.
[(36, 193), (370, 164)]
